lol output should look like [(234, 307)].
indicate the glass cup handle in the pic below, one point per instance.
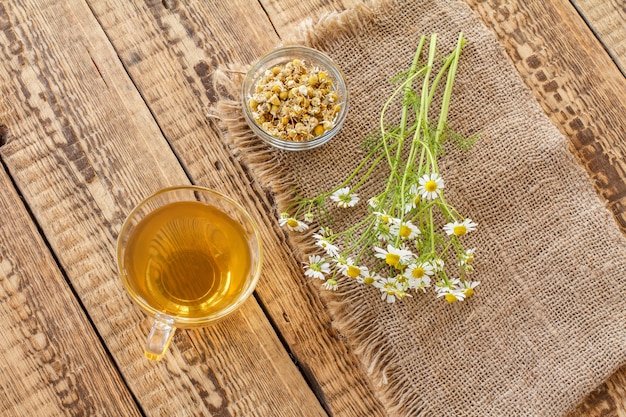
[(159, 338)]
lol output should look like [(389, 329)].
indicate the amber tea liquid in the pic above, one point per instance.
[(187, 259)]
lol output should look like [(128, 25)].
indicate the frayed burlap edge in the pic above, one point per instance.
[(330, 29)]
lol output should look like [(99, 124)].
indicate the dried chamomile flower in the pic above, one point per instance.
[(295, 102)]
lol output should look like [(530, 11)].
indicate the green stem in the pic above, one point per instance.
[(422, 116), (407, 87), (445, 101), (357, 170), (369, 172), (394, 162), (423, 110), (432, 229)]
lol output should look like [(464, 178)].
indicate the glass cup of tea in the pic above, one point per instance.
[(187, 256)]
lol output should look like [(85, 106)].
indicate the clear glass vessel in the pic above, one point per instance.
[(311, 58)]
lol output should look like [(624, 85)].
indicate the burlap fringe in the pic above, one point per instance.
[(363, 336)]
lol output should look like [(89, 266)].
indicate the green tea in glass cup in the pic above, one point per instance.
[(187, 256)]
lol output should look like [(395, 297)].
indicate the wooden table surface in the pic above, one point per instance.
[(104, 102)]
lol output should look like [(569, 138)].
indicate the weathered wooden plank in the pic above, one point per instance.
[(83, 148), (287, 15), (583, 92), (49, 353), (607, 18), (203, 36)]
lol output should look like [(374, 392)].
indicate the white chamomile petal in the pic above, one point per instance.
[(406, 230), (316, 267), (293, 224), (430, 186), (344, 198), (460, 228)]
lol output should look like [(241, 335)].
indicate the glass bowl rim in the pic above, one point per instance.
[(296, 51)]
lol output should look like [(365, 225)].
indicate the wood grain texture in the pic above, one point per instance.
[(186, 44), (607, 18), (286, 15), (84, 149), (51, 360), (68, 109), (583, 92)]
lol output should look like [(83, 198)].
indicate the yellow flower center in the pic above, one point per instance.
[(450, 298), (405, 231), (417, 199), (469, 292), (470, 259), (430, 186), (390, 289), (292, 222), (459, 230), (418, 272), (392, 259), (353, 271), (384, 218), (368, 280)]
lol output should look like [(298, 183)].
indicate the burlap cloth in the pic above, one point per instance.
[(547, 324)]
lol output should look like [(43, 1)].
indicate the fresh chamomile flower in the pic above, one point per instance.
[(383, 232), (419, 270), (325, 231), (383, 225), (329, 248), (342, 263), (348, 268), (466, 261), (396, 257), (368, 278), (316, 267), (344, 198), (390, 288), (292, 223), (468, 288), (430, 186), (467, 257), (355, 271), (405, 229), (373, 202), (383, 217), (331, 284), (451, 295), (420, 283), (437, 264), (308, 218), (452, 291), (413, 198), (460, 228)]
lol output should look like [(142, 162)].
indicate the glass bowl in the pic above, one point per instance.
[(279, 91)]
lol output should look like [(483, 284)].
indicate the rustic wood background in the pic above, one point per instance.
[(104, 101)]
